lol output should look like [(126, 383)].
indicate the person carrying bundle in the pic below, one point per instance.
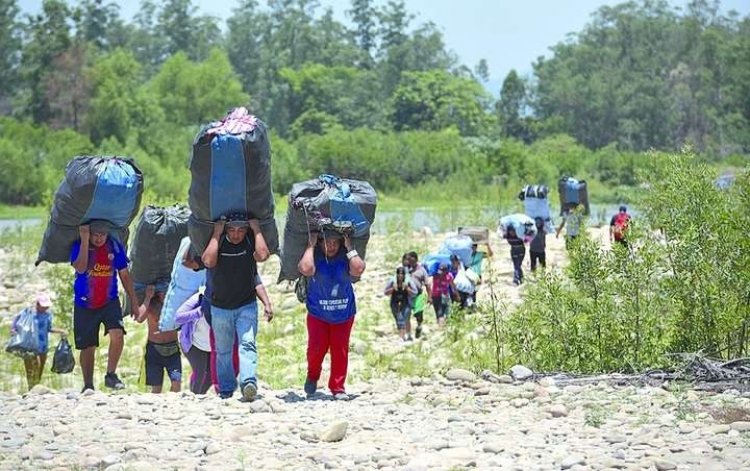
[(231, 260), (98, 260), (329, 263)]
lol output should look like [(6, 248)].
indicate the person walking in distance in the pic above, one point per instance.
[(618, 227)]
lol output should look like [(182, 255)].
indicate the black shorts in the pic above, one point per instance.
[(157, 362), (86, 323)]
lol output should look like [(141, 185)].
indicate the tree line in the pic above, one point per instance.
[(381, 98)]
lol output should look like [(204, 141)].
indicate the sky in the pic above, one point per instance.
[(509, 34)]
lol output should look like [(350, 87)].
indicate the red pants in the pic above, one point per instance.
[(212, 360), (322, 336)]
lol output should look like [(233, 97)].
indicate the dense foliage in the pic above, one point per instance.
[(684, 286), (381, 98)]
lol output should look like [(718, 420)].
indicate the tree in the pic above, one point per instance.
[(363, 15), (100, 24), (511, 106), (49, 36), (482, 70), (187, 91), (436, 100), (68, 88), (10, 46)]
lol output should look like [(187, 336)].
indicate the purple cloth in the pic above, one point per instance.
[(186, 317)]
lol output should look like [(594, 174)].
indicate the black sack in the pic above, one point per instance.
[(156, 242), (310, 210), (230, 171), (63, 361), (94, 187)]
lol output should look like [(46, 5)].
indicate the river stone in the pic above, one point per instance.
[(457, 374), (334, 432), (558, 410), (572, 460), (521, 373), (740, 426), (664, 465)]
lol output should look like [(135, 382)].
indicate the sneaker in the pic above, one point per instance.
[(418, 332), (341, 396), (249, 391), (113, 382), (87, 387), (225, 395), (310, 387)]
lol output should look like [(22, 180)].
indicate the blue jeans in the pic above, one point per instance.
[(225, 323)]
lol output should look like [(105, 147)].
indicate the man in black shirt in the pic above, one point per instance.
[(230, 258)]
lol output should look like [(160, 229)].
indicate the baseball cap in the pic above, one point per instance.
[(237, 220), (43, 300)]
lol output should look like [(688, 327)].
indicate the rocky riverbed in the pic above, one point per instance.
[(449, 418), (411, 424)]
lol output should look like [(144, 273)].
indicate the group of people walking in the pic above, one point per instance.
[(411, 289), (218, 318)]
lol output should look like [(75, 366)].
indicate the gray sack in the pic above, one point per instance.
[(157, 239), (309, 208)]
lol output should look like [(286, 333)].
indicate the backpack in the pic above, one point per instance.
[(621, 225)]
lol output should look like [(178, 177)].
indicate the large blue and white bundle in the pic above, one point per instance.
[(94, 188), (431, 262), (231, 173), (522, 224), (536, 204), (460, 246), (329, 204), (573, 193)]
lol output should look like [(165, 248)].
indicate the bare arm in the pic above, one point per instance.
[(127, 285), (81, 263), (211, 255), (260, 290), (356, 264), (306, 265), (261, 248), (143, 308), (389, 289)]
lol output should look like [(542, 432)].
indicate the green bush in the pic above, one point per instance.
[(684, 285)]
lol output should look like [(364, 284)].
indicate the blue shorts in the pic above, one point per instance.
[(160, 357)]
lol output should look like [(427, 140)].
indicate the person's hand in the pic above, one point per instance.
[(429, 299), (139, 318), (84, 230), (150, 291), (134, 311), (348, 242), (268, 313), (254, 225), (219, 226), (63, 333)]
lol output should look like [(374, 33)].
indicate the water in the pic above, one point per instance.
[(16, 223), (408, 220)]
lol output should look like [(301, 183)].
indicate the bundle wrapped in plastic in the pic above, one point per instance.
[(231, 173), (326, 204), (536, 204), (94, 188), (460, 246), (523, 225)]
